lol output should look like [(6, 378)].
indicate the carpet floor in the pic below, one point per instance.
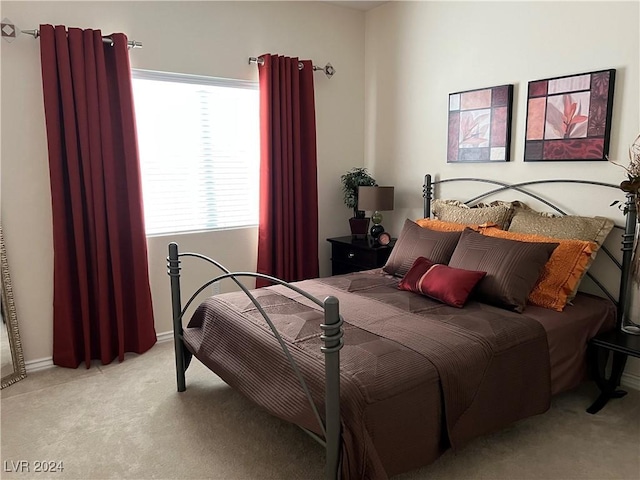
[(126, 421)]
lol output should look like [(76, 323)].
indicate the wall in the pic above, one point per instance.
[(205, 38), (416, 54), (419, 52)]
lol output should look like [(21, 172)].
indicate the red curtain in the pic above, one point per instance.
[(102, 299), (288, 230)]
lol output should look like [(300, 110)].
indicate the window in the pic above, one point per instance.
[(199, 142)]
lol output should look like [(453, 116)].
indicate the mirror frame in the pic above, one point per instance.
[(11, 321)]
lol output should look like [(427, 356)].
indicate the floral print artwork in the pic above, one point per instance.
[(569, 118), (566, 116), (480, 125)]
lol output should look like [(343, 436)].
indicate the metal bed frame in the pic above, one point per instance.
[(332, 329)]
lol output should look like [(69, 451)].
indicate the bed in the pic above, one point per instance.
[(387, 379)]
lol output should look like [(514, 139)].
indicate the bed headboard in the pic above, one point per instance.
[(629, 229)]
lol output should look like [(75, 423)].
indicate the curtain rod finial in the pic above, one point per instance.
[(329, 71), (8, 30), (258, 60)]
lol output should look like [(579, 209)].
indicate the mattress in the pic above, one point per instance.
[(568, 333)]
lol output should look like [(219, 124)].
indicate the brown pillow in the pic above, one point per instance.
[(512, 267), (415, 241), (455, 211), (563, 272), (588, 229)]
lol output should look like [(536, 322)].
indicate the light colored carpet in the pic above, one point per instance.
[(127, 421)]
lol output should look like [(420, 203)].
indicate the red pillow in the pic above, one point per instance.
[(440, 282)]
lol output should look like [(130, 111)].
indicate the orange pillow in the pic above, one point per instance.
[(443, 226), (561, 274)]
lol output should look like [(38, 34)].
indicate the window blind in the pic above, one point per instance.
[(199, 146)]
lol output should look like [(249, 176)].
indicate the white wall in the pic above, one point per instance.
[(419, 52), (206, 38)]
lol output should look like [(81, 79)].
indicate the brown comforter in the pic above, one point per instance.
[(418, 376)]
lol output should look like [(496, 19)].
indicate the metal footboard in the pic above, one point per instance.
[(332, 337)]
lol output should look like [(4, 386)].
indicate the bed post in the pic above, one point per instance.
[(333, 342), (427, 192), (173, 266), (628, 239)]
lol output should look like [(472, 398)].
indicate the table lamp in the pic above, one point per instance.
[(377, 199)]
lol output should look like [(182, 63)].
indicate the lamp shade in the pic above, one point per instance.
[(375, 198)]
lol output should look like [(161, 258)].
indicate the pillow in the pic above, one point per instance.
[(589, 229), (561, 274), (440, 282), (415, 241), (455, 211), (442, 226), (512, 267)]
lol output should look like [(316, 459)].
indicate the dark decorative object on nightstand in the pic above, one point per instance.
[(350, 254), (378, 199)]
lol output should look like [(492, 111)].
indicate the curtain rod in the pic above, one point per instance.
[(328, 69), (131, 43)]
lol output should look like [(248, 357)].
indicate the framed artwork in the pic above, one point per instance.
[(569, 118), (480, 125)]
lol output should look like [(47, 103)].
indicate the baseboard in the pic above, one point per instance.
[(165, 336), (39, 364), (44, 363), (630, 380)]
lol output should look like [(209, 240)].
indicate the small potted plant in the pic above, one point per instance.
[(351, 180)]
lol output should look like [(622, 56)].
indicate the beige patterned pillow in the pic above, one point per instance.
[(523, 206), (456, 211), (592, 229)]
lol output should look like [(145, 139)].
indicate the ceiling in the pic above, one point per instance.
[(358, 4)]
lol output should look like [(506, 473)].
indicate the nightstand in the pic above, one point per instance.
[(621, 345), (350, 254)]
